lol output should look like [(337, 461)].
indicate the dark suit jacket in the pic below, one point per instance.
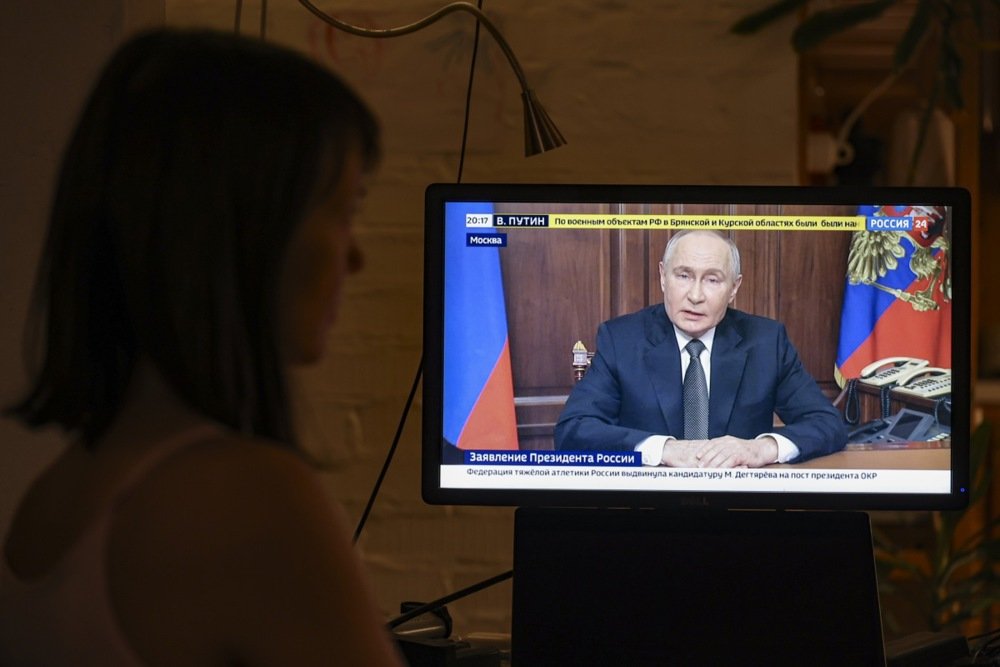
[(633, 388)]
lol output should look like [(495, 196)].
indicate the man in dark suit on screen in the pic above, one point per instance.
[(695, 383)]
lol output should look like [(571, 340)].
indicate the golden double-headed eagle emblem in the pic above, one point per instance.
[(874, 254)]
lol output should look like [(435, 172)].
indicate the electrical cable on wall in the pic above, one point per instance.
[(474, 588), (540, 133), (420, 364), (238, 19)]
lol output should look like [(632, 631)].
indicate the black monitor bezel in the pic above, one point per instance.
[(433, 345)]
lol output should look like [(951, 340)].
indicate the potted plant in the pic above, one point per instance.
[(955, 578), (932, 36)]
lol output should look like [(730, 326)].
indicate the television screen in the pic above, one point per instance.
[(657, 346)]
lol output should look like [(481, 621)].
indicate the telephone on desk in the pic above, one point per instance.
[(904, 426), (913, 377), (909, 375)]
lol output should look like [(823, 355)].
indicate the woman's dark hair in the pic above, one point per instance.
[(195, 158)]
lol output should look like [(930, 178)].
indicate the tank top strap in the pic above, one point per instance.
[(170, 446)]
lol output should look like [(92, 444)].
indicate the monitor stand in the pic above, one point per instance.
[(694, 587)]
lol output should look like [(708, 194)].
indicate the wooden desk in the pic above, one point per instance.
[(901, 456)]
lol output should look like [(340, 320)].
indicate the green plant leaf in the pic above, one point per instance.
[(882, 541), (751, 23), (914, 34), (971, 599), (827, 22), (980, 440), (892, 565), (967, 604), (969, 558), (948, 526), (947, 619), (944, 536), (976, 538), (978, 492)]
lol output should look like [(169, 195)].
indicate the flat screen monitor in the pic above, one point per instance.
[(833, 364)]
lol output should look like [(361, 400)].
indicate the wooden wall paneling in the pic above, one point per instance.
[(656, 244), (558, 287), (632, 265), (813, 270), (760, 260)]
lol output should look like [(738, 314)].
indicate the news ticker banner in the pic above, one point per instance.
[(811, 223), (623, 471), (487, 229)]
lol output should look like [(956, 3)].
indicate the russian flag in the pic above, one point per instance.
[(478, 386), (878, 320)]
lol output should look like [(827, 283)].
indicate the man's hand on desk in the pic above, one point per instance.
[(682, 453), (724, 452)]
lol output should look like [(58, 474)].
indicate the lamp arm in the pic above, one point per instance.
[(423, 23)]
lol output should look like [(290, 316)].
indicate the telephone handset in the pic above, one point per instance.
[(927, 382), (890, 370)]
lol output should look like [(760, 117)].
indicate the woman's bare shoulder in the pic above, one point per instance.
[(239, 544), (249, 483)]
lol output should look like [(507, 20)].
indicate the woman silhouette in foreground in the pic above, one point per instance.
[(199, 236)]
